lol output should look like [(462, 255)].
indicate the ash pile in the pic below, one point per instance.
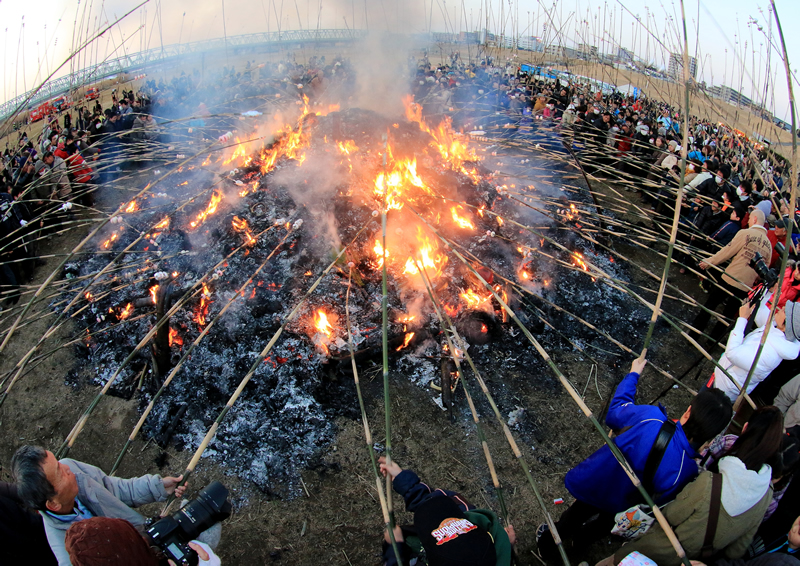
[(229, 245)]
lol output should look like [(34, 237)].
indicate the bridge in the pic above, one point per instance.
[(131, 63)]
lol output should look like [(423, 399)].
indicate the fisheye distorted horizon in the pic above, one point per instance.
[(730, 39)]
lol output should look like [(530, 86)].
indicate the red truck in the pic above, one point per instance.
[(44, 109), (60, 103), (92, 93)]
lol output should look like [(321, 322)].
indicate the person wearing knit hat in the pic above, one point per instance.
[(738, 277), (449, 530), (66, 491), (103, 541)]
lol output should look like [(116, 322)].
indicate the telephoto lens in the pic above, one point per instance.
[(172, 534)]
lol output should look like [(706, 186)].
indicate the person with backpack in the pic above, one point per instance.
[(720, 512), (662, 453)]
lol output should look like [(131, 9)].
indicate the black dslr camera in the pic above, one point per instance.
[(768, 276), (172, 534)]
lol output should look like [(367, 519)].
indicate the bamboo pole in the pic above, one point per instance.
[(575, 397), (191, 348), (365, 420), (788, 241), (248, 376)]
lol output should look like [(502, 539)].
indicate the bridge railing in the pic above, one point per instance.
[(162, 55)]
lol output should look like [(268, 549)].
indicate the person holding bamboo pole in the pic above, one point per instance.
[(720, 512), (662, 453), (67, 491), (450, 529), (738, 276)]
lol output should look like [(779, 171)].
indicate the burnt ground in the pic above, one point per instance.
[(336, 516)]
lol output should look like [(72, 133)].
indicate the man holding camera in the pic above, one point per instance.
[(66, 492), (739, 276)]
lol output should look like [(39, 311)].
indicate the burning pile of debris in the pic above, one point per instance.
[(220, 256)]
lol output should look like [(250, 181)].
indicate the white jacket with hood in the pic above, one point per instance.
[(741, 351)]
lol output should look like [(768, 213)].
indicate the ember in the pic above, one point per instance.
[(126, 312), (202, 308), (240, 225), (175, 338)]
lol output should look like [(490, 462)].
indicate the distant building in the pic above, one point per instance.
[(555, 51), (530, 43), (730, 95), (470, 37), (675, 66), (588, 52), (624, 55)]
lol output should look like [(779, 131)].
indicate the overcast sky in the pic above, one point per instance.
[(730, 49)]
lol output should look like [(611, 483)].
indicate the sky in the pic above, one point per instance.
[(731, 47)]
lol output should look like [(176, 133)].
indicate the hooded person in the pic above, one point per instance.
[(744, 479), (451, 531)]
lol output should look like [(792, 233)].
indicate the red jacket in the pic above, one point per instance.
[(80, 170)]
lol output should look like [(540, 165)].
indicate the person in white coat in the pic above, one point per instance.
[(782, 344)]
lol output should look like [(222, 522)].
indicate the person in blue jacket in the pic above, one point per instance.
[(601, 487), (727, 231), (447, 529)]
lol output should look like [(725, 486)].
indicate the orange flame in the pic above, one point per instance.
[(175, 338), (164, 224), (428, 256), (202, 308), (473, 300), (287, 145), (108, 242), (577, 261), (240, 225), (153, 293), (403, 175), (126, 312), (347, 147), (321, 323), (216, 198), (131, 207), (461, 222), (406, 341), (240, 151), (378, 249), (445, 141)]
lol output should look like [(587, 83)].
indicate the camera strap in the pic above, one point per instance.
[(663, 439)]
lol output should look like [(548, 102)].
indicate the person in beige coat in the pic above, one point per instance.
[(746, 494), (738, 276)]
